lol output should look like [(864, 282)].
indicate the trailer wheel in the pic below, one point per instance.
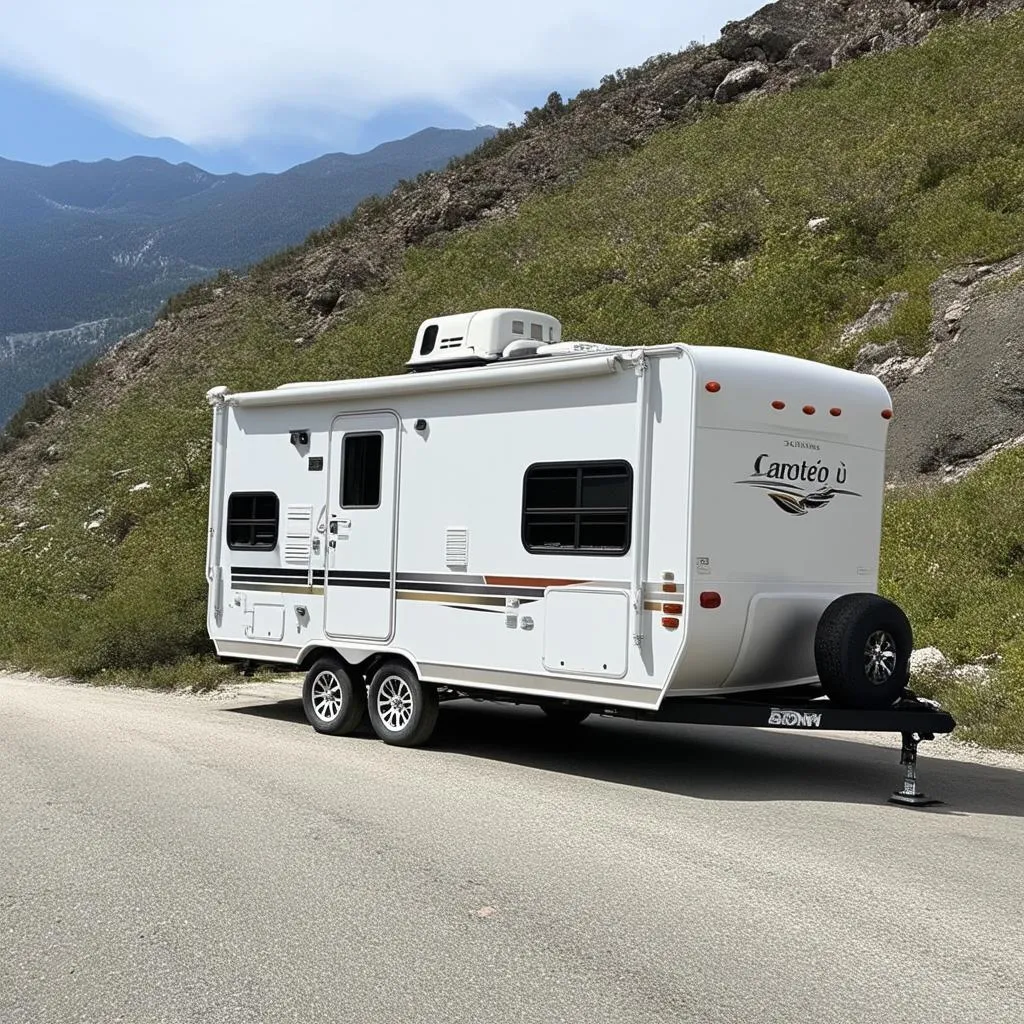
[(862, 651), (565, 713), (334, 703), (403, 711)]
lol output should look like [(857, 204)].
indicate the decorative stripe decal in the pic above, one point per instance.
[(466, 590), (277, 588), (452, 599), (529, 581)]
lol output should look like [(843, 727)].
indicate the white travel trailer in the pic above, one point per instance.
[(583, 527)]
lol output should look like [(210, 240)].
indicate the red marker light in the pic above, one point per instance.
[(835, 412), (887, 414), (713, 386), (669, 623), (809, 410), (778, 405), (710, 599), (672, 609)]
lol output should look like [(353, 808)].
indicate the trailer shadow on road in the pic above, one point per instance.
[(707, 762)]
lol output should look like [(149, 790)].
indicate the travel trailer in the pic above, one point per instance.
[(583, 527)]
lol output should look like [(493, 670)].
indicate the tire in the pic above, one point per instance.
[(566, 713), (403, 711), (334, 702), (862, 651)]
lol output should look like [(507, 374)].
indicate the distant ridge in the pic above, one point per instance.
[(89, 251)]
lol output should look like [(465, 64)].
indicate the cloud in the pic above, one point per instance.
[(215, 71)]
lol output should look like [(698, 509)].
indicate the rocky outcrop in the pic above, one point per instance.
[(961, 402)]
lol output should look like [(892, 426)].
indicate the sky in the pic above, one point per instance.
[(256, 82)]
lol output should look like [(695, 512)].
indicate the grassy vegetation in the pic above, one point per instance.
[(40, 405), (917, 161)]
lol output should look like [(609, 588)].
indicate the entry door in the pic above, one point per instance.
[(362, 503)]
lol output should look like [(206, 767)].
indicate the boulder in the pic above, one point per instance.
[(754, 40), (928, 659), (742, 79), (324, 297)]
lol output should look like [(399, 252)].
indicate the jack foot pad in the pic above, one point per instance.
[(913, 800)]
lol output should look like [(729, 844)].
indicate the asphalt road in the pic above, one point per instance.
[(169, 859)]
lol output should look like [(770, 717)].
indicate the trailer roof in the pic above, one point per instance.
[(709, 361)]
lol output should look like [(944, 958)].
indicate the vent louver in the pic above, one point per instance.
[(456, 547)]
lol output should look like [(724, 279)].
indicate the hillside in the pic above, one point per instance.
[(89, 251), (878, 188)]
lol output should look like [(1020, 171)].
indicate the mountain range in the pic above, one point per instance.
[(88, 251)]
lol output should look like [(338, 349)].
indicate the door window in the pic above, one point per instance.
[(361, 457)]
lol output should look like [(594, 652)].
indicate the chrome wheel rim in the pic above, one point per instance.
[(879, 657), (326, 696), (394, 703)]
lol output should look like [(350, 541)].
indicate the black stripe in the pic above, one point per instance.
[(373, 584), (258, 570), (253, 577), (342, 574), (433, 577)]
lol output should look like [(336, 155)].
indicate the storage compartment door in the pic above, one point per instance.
[(586, 632)]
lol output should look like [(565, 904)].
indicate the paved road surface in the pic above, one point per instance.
[(165, 858)]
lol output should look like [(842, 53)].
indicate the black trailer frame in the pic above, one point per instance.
[(914, 718)]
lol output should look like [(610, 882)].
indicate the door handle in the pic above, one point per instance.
[(343, 523)]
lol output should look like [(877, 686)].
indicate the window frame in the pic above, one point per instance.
[(380, 471), (579, 510), (252, 521), (429, 339)]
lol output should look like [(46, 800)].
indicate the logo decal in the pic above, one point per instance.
[(783, 480), (794, 719)]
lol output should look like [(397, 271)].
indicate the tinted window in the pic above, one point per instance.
[(360, 470), (581, 508), (252, 521)]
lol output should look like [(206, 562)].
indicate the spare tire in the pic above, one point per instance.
[(862, 651)]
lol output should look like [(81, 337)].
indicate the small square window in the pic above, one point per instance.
[(253, 521), (518, 327)]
